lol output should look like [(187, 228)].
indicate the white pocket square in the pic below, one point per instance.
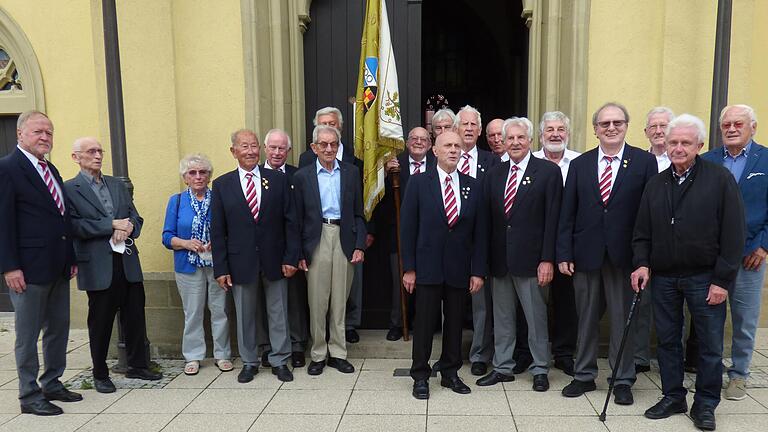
[(755, 174)]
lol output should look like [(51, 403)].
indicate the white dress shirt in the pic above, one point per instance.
[(256, 182), (615, 164), (520, 171), (504, 157), (422, 168), (662, 161), (340, 151), (35, 163), (454, 185), (269, 167), (564, 163), (472, 162)]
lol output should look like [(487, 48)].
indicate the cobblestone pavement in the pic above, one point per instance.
[(370, 399)]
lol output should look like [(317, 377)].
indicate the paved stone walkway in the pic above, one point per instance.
[(370, 399)]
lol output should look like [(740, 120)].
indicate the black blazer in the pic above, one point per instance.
[(588, 228), (244, 248), (436, 253), (520, 242), (310, 210), (485, 161), (34, 236)]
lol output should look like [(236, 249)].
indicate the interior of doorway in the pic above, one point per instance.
[(476, 53)]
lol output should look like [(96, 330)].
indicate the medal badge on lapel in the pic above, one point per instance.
[(465, 190), (527, 180), (264, 183), (480, 168), (625, 163)]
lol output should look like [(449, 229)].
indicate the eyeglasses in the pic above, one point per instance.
[(661, 126), (615, 123), (92, 152), (202, 173), (735, 125)]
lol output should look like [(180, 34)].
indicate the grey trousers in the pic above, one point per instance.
[(194, 289), (46, 308), (247, 306), (641, 328), (298, 316), (482, 323), (507, 291), (355, 301), (605, 290)]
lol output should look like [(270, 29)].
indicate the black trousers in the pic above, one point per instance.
[(428, 299), (128, 298)]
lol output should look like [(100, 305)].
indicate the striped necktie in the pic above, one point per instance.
[(416, 167), (465, 164), (451, 209), (251, 197), (48, 179), (510, 191), (605, 179)]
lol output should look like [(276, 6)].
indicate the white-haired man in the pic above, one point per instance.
[(442, 121)]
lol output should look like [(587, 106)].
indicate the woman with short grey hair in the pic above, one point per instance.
[(187, 232)]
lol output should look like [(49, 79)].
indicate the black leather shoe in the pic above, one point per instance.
[(247, 374), (283, 373), (341, 365), (63, 395), (522, 365), (104, 385), (316, 368), (665, 408), (41, 408), (577, 388), (436, 366), (540, 383), (703, 418), (421, 389), (478, 368), (395, 333), (494, 378), (265, 359), (640, 368), (297, 359), (143, 374), (455, 384), (351, 336), (622, 395), (565, 364)]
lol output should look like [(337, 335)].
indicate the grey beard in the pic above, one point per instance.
[(555, 148)]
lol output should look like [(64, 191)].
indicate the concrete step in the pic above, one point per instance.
[(374, 344)]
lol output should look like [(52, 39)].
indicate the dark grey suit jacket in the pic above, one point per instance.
[(92, 229)]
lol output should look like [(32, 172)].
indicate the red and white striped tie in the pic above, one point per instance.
[(511, 190), (251, 196), (465, 164), (416, 167), (48, 178), (451, 209), (605, 179)]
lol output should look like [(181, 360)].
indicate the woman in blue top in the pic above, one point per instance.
[(187, 233)]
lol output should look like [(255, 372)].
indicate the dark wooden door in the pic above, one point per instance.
[(331, 61), (7, 144)]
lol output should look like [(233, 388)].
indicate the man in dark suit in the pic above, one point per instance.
[(444, 249), (522, 197), (329, 203), (254, 239), (277, 145), (37, 261), (417, 159), (476, 163), (600, 202), (105, 224), (331, 116)]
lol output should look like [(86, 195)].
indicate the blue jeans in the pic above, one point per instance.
[(744, 299), (668, 296)]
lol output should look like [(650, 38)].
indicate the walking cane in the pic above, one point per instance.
[(616, 367)]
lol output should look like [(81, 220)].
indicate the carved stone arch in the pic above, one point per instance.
[(17, 46)]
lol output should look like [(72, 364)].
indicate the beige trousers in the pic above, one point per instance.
[(328, 283)]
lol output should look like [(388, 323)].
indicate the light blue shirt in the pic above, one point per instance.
[(329, 183), (736, 164)]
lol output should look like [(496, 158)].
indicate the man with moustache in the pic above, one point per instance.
[(442, 121), (417, 159), (37, 261), (495, 142), (748, 162), (475, 163), (554, 135), (329, 201), (444, 243), (255, 245), (277, 145), (600, 202), (522, 197), (688, 241)]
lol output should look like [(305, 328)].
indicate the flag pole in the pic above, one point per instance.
[(395, 175)]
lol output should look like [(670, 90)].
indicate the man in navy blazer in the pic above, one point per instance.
[(600, 202), (475, 163), (37, 261), (748, 162), (254, 239), (522, 197), (329, 201), (444, 251)]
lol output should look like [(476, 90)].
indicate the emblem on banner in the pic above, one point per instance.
[(370, 86)]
